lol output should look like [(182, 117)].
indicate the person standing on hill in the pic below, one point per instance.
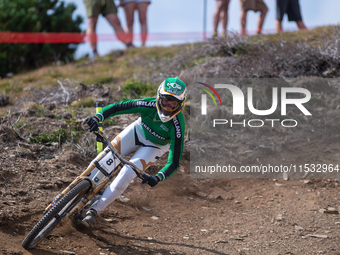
[(221, 16), (253, 5), (109, 10), (292, 9), (129, 7)]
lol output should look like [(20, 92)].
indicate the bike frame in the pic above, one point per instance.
[(95, 188)]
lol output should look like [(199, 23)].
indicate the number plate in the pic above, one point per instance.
[(109, 162)]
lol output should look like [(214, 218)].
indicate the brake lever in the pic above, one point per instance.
[(142, 176), (99, 137)]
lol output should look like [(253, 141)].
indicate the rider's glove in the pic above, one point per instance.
[(151, 180), (93, 123)]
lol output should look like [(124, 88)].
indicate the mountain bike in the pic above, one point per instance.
[(74, 201)]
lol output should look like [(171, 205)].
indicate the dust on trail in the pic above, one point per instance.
[(181, 215)]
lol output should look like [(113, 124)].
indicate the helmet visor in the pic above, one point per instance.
[(169, 105)]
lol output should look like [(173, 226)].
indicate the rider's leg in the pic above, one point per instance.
[(145, 156), (127, 139)]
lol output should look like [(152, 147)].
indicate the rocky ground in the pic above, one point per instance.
[(182, 215)]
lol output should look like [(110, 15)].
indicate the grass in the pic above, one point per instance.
[(312, 37), (83, 103), (138, 71), (138, 89), (38, 109), (56, 136)]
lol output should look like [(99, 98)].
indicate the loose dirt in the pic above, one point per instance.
[(181, 215)]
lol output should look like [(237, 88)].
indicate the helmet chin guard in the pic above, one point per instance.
[(171, 95)]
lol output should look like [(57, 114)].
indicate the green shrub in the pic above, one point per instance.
[(60, 135), (85, 102), (38, 109), (138, 89), (35, 16), (20, 124), (109, 122)]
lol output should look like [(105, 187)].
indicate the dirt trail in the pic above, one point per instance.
[(182, 215), (179, 216)]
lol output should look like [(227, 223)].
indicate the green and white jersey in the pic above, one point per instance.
[(154, 129)]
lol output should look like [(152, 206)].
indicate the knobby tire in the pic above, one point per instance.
[(53, 216)]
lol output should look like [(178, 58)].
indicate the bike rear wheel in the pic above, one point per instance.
[(53, 216)]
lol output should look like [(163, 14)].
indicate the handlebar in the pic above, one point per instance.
[(101, 137)]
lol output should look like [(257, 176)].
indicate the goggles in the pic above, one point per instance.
[(169, 105)]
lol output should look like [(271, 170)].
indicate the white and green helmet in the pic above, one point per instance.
[(171, 95)]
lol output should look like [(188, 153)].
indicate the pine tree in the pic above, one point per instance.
[(36, 16)]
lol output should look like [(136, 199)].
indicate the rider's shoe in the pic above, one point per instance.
[(90, 218), (130, 45)]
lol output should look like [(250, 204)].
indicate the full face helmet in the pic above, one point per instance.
[(171, 95)]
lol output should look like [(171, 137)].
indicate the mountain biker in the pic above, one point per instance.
[(159, 129)]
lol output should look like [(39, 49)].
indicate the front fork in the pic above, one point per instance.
[(85, 174), (98, 181), (72, 185), (73, 214)]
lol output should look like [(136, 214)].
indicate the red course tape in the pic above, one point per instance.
[(20, 37)]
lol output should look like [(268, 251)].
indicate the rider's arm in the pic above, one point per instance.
[(176, 148), (125, 107)]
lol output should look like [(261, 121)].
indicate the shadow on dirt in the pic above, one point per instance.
[(135, 248)]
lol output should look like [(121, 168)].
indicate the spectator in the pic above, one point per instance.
[(221, 15), (253, 5), (129, 7), (292, 8), (109, 10)]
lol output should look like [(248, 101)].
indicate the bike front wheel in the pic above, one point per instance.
[(54, 216)]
